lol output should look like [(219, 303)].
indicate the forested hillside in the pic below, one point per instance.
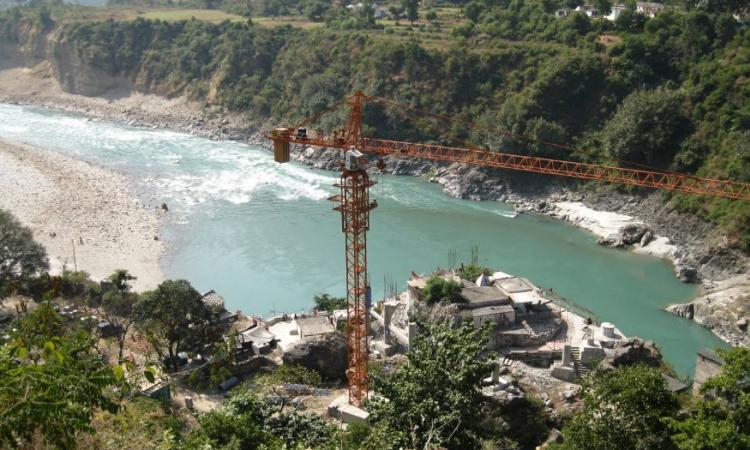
[(671, 92)]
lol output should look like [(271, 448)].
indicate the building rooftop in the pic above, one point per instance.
[(514, 284), (478, 296), (707, 353), (673, 384), (527, 297), (314, 325), (213, 299)]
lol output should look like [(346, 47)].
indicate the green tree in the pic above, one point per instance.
[(646, 127), (324, 302), (52, 381), (720, 420), (117, 306), (247, 422), (439, 289), (627, 408), (603, 6), (435, 400), (316, 9), (175, 318), (367, 14), (473, 10), (20, 256), (412, 10)]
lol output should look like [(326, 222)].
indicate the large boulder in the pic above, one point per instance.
[(633, 233), (325, 354), (631, 352)]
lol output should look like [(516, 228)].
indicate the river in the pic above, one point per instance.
[(265, 237)]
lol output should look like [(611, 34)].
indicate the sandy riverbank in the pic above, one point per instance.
[(70, 203)]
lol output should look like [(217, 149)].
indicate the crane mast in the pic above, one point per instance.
[(353, 202)]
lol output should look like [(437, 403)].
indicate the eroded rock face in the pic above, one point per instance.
[(631, 352), (325, 354)]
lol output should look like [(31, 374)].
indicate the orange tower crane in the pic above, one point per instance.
[(353, 201)]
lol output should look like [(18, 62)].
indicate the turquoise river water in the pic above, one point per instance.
[(264, 236)]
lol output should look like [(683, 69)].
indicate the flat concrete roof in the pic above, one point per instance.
[(673, 384), (520, 298), (513, 285), (484, 294), (491, 310), (707, 353), (314, 325)]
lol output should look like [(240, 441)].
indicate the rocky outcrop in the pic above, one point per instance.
[(631, 352), (325, 354), (78, 77), (724, 307)]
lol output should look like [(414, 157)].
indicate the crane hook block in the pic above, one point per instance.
[(280, 145)]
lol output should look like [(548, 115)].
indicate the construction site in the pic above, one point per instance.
[(529, 324)]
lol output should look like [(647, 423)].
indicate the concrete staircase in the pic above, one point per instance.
[(580, 368)]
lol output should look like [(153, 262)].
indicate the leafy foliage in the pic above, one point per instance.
[(646, 128), (118, 304), (439, 289), (20, 256), (627, 408), (471, 272), (721, 420), (324, 302), (53, 381), (435, 398), (247, 422), (175, 319), (289, 373)]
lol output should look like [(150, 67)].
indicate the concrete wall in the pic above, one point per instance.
[(704, 369)]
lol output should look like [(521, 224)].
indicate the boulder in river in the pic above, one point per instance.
[(325, 354)]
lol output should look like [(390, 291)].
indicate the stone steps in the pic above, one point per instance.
[(580, 368)]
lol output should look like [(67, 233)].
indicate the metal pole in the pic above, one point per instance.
[(75, 262)]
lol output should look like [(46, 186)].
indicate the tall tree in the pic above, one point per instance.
[(646, 127), (117, 306), (20, 256), (412, 10), (175, 318), (52, 380), (628, 408), (435, 400)]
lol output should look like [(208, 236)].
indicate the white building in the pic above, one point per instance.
[(649, 9)]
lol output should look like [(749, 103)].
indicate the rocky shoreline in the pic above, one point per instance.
[(642, 222)]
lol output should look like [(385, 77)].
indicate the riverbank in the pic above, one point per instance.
[(85, 216), (695, 248)]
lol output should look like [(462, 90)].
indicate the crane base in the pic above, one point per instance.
[(341, 409)]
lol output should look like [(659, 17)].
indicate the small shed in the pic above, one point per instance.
[(502, 315), (105, 329), (158, 391), (481, 296)]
